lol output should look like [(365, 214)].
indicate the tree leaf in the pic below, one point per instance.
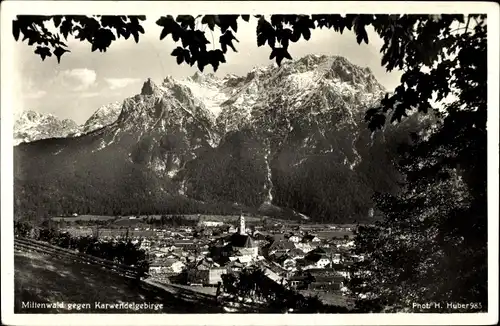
[(261, 39), (66, 27), (43, 52), (165, 21), (273, 53), (135, 33), (295, 35), (279, 54), (227, 40), (57, 20), (186, 21), (58, 52), (32, 40), (306, 33), (271, 40), (201, 65), (209, 20), (360, 31), (126, 34), (16, 29), (215, 65), (164, 32), (177, 51), (284, 43)]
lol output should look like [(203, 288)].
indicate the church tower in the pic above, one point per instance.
[(243, 229)]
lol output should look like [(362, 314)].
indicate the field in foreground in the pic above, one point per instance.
[(40, 278)]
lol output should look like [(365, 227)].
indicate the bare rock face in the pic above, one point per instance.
[(148, 88), (103, 116), (31, 126), (290, 136)]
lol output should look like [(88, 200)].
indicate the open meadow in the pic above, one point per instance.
[(138, 219), (114, 225)]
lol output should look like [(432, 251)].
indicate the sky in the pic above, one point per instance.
[(86, 80)]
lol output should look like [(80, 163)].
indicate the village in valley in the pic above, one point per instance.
[(311, 259)]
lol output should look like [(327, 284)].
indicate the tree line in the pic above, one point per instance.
[(170, 221), (275, 297), (120, 251)]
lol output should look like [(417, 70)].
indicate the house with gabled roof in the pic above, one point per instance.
[(166, 265), (294, 237), (316, 258), (286, 262), (234, 266), (258, 236), (310, 238), (280, 246), (305, 247), (277, 237), (344, 268), (157, 253), (206, 263), (296, 253)]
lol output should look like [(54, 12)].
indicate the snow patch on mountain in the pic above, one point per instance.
[(103, 116), (207, 89), (30, 126), (315, 91)]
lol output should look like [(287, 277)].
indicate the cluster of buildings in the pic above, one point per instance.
[(294, 258), (300, 256)]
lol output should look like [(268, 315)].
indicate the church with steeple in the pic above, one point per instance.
[(240, 245), (242, 242), (242, 229)]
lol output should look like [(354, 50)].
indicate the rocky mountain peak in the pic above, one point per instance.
[(288, 136), (149, 87), (103, 116), (312, 60), (31, 126), (168, 80), (239, 100), (202, 77), (31, 115)]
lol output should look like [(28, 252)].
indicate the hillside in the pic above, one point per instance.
[(41, 278), (290, 137)]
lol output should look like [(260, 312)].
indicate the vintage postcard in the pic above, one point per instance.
[(249, 163)]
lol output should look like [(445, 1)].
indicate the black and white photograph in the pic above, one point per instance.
[(249, 162)]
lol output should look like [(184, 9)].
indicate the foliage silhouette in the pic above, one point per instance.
[(421, 41), (121, 251), (99, 31), (270, 296), (432, 242)]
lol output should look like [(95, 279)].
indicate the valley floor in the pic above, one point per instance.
[(40, 278)]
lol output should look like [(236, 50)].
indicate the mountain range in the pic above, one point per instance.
[(290, 139), (31, 126)]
